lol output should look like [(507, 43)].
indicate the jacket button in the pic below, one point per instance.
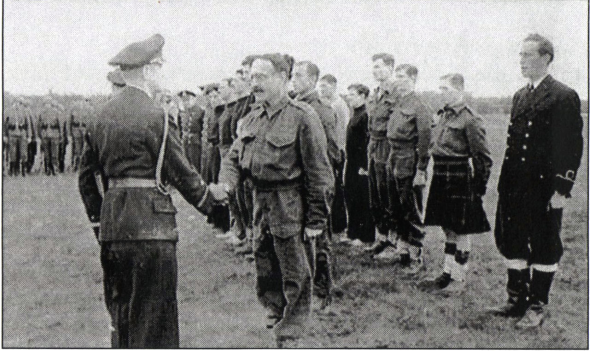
[(530, 123), (506, 157), (524, 147), (523, 159), (541, 176), (526, 135)]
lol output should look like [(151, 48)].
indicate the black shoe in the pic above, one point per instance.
[(272, 320), (378, 247)]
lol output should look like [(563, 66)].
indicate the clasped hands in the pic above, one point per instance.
[(220, 192)]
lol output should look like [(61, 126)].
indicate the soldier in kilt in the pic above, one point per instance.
[(457, 188)]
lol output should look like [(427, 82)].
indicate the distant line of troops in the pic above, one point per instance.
[(287, 161), (51, 142)]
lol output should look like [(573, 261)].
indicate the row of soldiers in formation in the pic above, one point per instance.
[(51, 142), (281, 161)]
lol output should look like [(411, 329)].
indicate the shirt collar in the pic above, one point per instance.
[(534, 84), (310, 95), (456, 107), (272, 110)]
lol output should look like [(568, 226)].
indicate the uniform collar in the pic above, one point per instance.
[(534, 84), (454, 108), (309, 96), (262, 107)]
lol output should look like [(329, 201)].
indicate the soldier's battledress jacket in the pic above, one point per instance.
[(408, 132), (19, 122), (283, 150), (124, 143), (51, 123), (328, 119), (380, 109), (243, 107)]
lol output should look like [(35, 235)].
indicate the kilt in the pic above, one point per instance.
[(452, 202)]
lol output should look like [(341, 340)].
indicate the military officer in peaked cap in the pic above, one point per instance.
[(132, 151)]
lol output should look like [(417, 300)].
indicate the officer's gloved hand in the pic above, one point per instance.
[(220, 192), (557, 201), (420, 179), (312, 233)]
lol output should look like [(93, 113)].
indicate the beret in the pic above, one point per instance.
[(186, 93), (115, 77), (282, 63), (139, 53)]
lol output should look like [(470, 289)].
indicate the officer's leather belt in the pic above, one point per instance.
[(450, 160), (131, 183), (268, 185)]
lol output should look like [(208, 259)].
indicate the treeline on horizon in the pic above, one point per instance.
[(483, 105)]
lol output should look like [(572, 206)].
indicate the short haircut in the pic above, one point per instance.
[(247, 61), (361, 89), (210, 87), (410, 70), (330, 79), (387, 58), (311, 68), (455, 79), (545, 46), (240, 71), (281, 63)]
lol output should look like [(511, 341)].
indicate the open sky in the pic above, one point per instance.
[(65, 45)]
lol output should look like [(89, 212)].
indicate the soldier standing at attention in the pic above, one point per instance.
[(49, 127), (305, 77), (193, 128), (134, 146), (282, 149), (379, 108), (19, 133), (456, 191), (408, 134), (543, 153)]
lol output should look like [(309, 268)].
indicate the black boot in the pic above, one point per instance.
[(23, 168), (538, 298), (517, 289)]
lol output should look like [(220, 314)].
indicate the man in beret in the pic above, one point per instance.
[(132, 152), (282, 149), (19, 133)]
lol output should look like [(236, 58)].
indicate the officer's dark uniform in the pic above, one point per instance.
[(323, 275), (19, 131), (408, 133), (226, 137), (543, 153), (138, 232), (51, 133), (379, 109), (283, 151)]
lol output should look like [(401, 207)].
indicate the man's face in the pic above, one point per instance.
[(449, 95), (381, 71), (214, 98), (246, 73), (326, 90), (225, 91), (403, 82), (532, 64), (301, 80), (188, 101), (241, 86), (266, 81), (354, 98)]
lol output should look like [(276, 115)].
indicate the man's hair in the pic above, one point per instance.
[(330, 79), (387, 58), (361, 89), (545, 46), (247, 61), (311, 68), (410, 70), (240, 71), (281, 63), (455, 79)]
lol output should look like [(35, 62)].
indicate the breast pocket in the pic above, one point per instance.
[(454, 137), (281, 153)]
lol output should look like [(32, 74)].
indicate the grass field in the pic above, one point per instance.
[(52, 282)]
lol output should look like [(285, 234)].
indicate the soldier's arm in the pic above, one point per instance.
[(424, 122), (318, 174), (87, 182), (179, 172), (230, 166), (480, 153), (567, 142)]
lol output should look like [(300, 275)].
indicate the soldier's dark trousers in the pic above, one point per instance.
[(339, 222), (283, 280), (405, 210), (378, 196), (322, 272), (51, 154), (140, 279)]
